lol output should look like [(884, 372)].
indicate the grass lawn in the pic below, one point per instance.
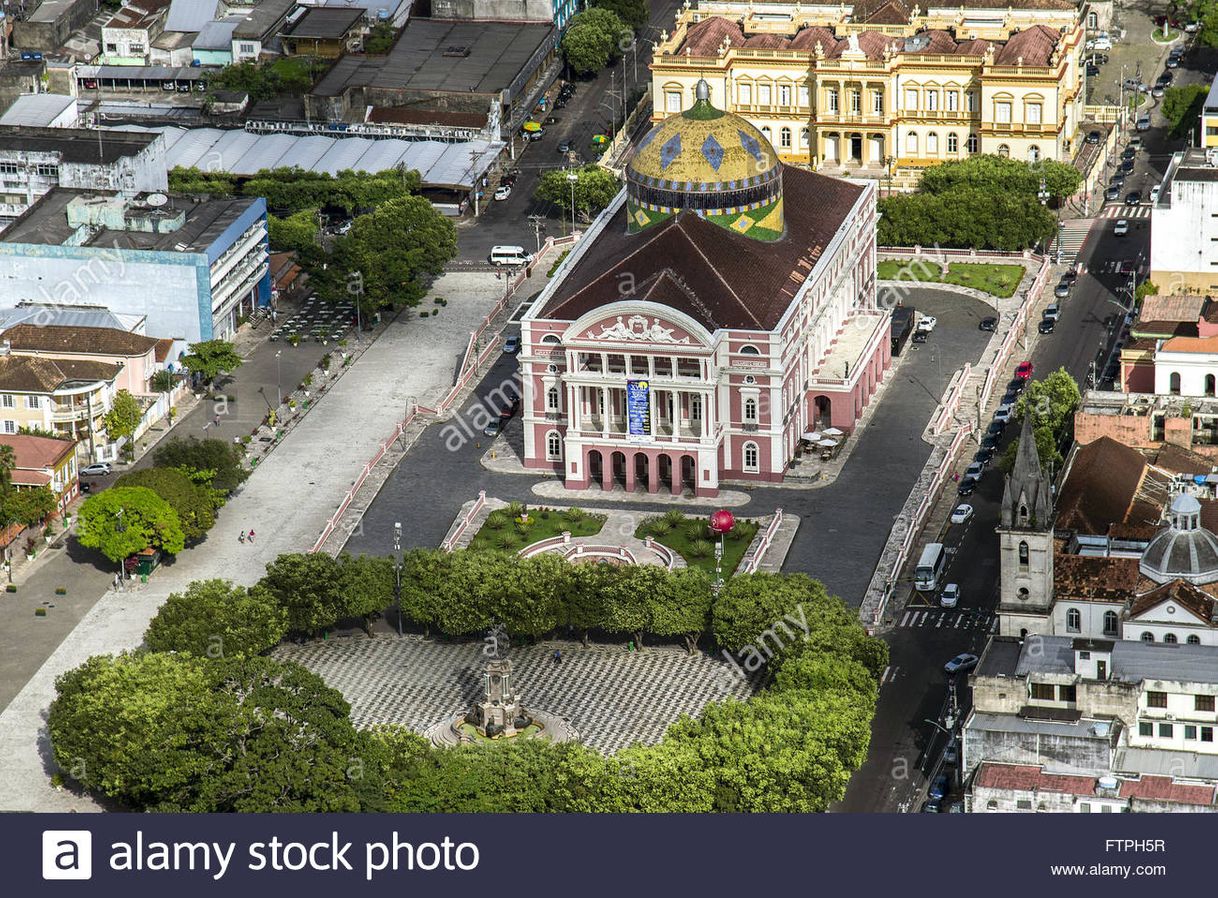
[(997, 280), (690, 537), (908, 270), (504, 530)]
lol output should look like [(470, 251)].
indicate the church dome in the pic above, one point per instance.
[(1183, 550), (709, 162)]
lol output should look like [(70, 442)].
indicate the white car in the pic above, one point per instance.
[(1121, 228), (961, 514), (99, 469), (1004, 412), (1101, 42), (927, 324), (950, 597), (503, 192), (1154, 194)]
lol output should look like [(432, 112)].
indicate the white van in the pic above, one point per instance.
[(509, 255)]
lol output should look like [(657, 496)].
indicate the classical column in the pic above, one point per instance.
[(653, 473), (630, 463), (676, 475), (604, 411), (606, 470)]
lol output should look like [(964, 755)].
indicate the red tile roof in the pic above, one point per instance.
[(720, 278), (76, 340), (1100, 487), (1090, 578), (36, 453), (1028, 778), (1033, 46), (1195, 600)]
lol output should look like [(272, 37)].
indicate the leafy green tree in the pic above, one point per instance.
[(965, 218), (1052, 399), (124, 520), (309, 588), (295, 233), (211, 358), (625, 600), (263, 81), (215, 619), (532, 593), (751, 608), (583, 609), (387, 257), (142, 728), (682, 607), (8, 461), (29, 505), (424, 571), (215, 461), (1181, 106), (1145, 289), (163, 381), (595, 188), (192, 180), (593, 39), (193, 505), (366, 584), (633, 13), (123, 418), (289, 191), (998, 174), (380, 39)]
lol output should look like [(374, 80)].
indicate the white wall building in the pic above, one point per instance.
[(1184, 229)]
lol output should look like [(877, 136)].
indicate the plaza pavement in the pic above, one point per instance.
[(287, 500)]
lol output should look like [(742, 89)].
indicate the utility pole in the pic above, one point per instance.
[(397, 571), (538, 227)]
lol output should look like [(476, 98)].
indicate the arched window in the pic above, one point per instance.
[(972, 144), (805, 138), (784, 138), (1209, 385), (749, 349), (1034, 153), (765, 130), (911, 144), (932, 144), (1110, 623), (1093, 21), (1170, 638), (751, 458), (1194, 639), (1173, 383), (551, 339), (1148, 636), (1023, 554), (1004, 151), (1023, 597), (1074, 620), (953, 143), (750, 411), (553, 446), (552, 399)]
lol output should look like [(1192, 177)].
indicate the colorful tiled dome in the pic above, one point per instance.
[(709, 162)]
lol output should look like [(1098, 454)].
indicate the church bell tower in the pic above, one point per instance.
[(1025, 534)]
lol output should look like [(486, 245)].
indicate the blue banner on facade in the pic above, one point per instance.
[(638, 410)]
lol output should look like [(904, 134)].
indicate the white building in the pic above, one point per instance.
[(190, 267), (34, 161), (127, 38), (1184, 229)]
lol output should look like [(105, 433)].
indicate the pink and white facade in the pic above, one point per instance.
[(740, 347)]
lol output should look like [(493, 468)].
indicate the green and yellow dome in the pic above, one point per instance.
[(709, 162)]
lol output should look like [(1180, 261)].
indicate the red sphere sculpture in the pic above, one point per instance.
[(722, 521)]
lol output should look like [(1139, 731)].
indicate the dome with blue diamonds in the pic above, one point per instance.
[(712, 164)]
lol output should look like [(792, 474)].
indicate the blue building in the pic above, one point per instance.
[(191, 267)]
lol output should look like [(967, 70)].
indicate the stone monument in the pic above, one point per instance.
[(500, 712)]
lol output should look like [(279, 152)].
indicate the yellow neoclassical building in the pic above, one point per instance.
[(880, 88)]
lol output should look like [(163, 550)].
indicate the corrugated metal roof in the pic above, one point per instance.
[(190, 15), (36, 110)]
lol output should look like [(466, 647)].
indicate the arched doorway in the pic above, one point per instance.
[(824, 411), (642, 471), (689, 472), (596, 467), (856, 148), (665, 468), (619, 468)]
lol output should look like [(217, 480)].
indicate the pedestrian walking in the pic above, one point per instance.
[(251, 537), (216, 420), (241, 538), (557, 657)]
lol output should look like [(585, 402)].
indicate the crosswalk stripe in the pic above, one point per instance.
[(905, 619), (938, 622), (952, 619), (959, 621)]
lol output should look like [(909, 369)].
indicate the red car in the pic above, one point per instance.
[(1024, 371)]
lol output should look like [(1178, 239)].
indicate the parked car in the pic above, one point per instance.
[(1070, 276), (1053, 311), (951, 754), (511, 408), (1135, 142), (931, 806), (962, 662), (1173, 61), (966, 488), (1062, 290), (1121, 228), (97, 469), (1023, 371), (1117, 180), (1099, 42), (1092, 136), (1133, 198), (927, 323), (1154, 194), (1165, 78), (1092, 70), (950, 596), (989, 324), (494, 428), (1192, 27), (1112, 194), (941, 785), (984, 455), (503, 191), (1143, 123), (564, 147), (1127, 165), (962, 513), (990, 441), (1003, 413), (1157, 91), (974, 471), (511, 345), (86, 487), (1128, 153), (1046, 326), (919, 336)]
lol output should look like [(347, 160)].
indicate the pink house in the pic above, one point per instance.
[(134, 353), (720, 308)]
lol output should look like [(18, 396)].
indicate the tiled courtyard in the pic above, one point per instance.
[(611, 696)]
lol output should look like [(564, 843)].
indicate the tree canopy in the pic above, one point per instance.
[(191, 502), (124, 417), (633, 13), (594, 38), (211, 358), (1181, 106), (595, 188), (214, 462), (1052, 401), (124, 520), (215, 619), (997, 174)]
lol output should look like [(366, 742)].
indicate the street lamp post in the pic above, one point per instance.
[(572, 179), (120, 527), (397, 571), (278, 378)]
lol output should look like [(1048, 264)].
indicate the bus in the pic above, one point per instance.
[(930, 568)]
